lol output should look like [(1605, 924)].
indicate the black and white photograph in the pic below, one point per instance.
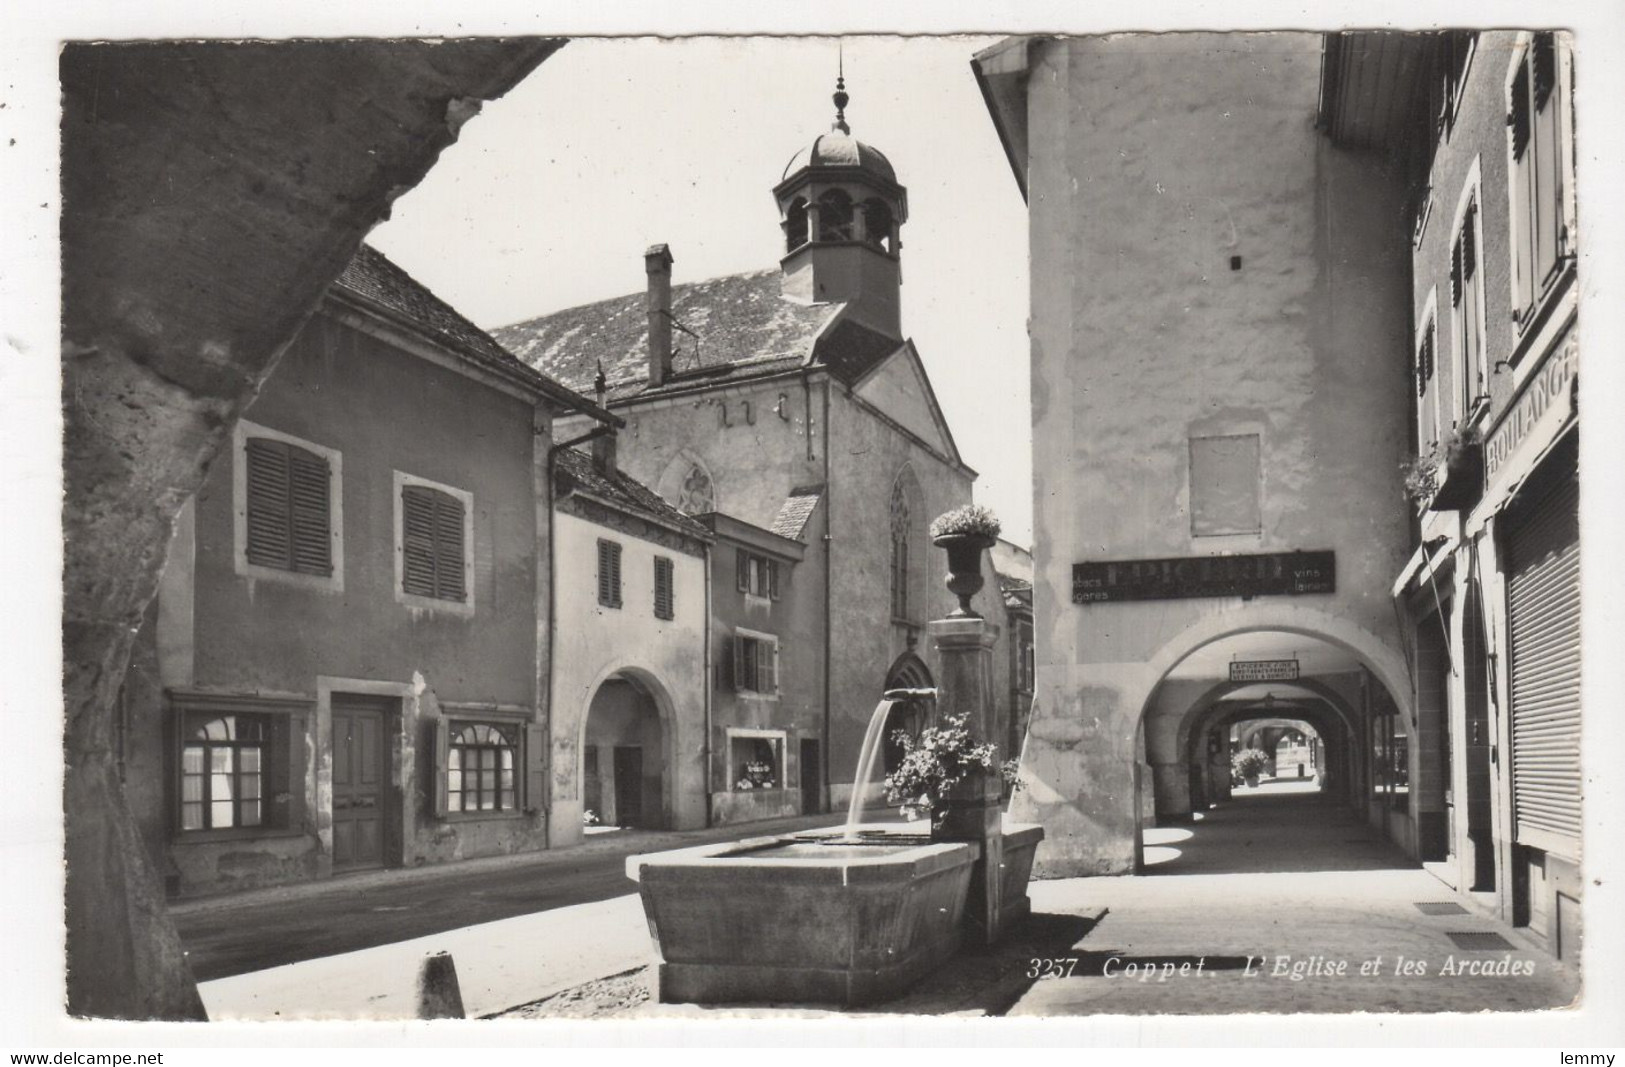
[(555, 528)]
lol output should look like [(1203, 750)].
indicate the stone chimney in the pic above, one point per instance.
[(657, 264), (603, 451)]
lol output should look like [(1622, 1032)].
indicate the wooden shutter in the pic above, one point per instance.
[(663, 588), (432, 544), (742, 664), (535, 756), (267, 506), (742, 570), (609, 573), (440, 753), (1543, 600), (769, 666), (1424, 361), (288, 510), (772, 578), (1547, 161), (311, 515), (725, 663), (1520, 124)]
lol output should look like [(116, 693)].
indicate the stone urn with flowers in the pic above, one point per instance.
[(965, 533)]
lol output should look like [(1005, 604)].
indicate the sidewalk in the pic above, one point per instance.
[(500, 964)]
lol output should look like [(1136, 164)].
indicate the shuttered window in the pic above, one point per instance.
[(609, 573), (756, 664), (664, 598), (433, 548), (1543, 593), (288, 507), (1467, 303), (756, 575), (1540, 240)]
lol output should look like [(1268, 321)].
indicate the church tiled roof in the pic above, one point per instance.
[(796, 510), (577, 470), (379, 282), (726, 329)]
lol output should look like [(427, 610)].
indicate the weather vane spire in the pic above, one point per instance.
[(840, 96)]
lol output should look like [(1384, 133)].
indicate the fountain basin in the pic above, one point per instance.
[(786, 919)]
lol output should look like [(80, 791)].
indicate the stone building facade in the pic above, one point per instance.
[(629, 679), (789, 403), (343, 669), (1282, 283)]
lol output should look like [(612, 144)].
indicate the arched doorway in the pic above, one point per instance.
[(1277, 691), (623, 760), (907, 716)]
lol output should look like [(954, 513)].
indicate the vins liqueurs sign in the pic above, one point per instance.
[(1265, 574)]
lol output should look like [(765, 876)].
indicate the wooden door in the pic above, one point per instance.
[(812, 778), (628, 785), (360, 781)]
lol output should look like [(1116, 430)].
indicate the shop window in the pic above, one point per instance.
[(1225, 478), (755, 760)]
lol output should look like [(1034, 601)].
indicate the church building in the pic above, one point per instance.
[(787, 410)]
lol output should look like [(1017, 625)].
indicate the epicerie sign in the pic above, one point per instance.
[(1264, 670)]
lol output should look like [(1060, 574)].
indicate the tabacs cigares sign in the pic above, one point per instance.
[(1260, 574)]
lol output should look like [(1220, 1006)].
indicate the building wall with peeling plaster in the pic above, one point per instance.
[(218, 632)]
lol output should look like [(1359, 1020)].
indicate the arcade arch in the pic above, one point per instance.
[(626, 752)]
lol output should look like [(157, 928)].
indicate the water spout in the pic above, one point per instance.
[(873, 737)]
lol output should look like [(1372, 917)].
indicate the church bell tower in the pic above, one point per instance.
[(842, 209)]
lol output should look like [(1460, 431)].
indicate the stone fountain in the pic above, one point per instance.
[(849, 918)]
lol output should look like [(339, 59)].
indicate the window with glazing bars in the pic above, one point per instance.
[(222, 771), (480, 761)]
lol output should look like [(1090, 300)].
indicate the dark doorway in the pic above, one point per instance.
[(812, 778), (360, 782), (629, 785)]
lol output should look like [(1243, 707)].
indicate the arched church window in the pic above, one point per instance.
[(900, 529), (835, 216), (877, 223), (696, 495), (795, 225)]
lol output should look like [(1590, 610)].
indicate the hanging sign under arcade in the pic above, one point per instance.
[(1263, 670), (1258, 574)]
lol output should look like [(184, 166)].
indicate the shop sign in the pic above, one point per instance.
[(1539, 413), (1263, 670), (1261, 574)]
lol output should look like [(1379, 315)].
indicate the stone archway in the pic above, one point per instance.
[(627, 709)]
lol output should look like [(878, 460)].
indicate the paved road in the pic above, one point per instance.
[(224, 937)]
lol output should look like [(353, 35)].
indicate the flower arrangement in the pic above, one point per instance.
[(1424, 473), (936, 761), (1248, 763), (590, 818), (756, 774), (969, 520)]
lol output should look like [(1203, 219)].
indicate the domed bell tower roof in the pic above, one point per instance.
[(841, 209)]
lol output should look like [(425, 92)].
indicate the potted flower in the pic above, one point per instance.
[(935, 763), (965, 533), (1249, 763), (1450, 475)]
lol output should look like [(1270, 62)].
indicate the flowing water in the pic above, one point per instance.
[(872, 740)]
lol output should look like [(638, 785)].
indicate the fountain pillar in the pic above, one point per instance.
[(965, 687)]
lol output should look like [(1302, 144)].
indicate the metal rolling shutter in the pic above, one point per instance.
[(1543, 596)]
